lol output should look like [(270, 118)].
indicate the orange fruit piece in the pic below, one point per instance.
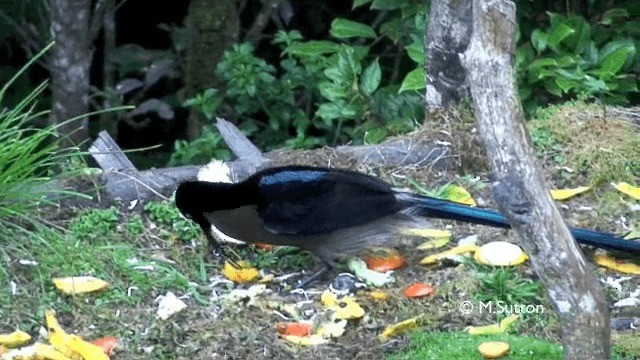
[(385, 260), (107, 344), (418, 290), (294, 328)]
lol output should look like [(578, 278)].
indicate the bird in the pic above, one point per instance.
[(330, 212)]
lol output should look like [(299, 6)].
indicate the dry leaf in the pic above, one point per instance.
[(564, 194), (79, 284), (628, 189)]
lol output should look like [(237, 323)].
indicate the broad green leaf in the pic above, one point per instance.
[(626, 83), (614, 45), (416, 52), (552, 87), (394, 29), (313, 48), (609, 16), (386, 4), (558, 34), (344, 29), (544, 62), (413, 81), (613, 62), (565, 84), (566, 61), (539, 40), (357, 3), (595, 85), (371, 78)]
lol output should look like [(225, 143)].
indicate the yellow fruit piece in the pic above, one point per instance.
[(623, 266), (48, 352), (500, 253), (379, 295), (499, 328), (633, 234), (331, 329), (459, 195), (401, 327), (79, 284), (458, 250), (15, 339), (312, 340), (346, 308), (564, 194), (427, 233), (628, 189), (493, 349), (72, 346), (244, 273), (434, 244)]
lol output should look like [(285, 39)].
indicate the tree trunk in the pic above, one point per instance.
[(520, 189), (213, 27), (69, 63), (447, 37), (109, 120)]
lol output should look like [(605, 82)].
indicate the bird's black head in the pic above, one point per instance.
[(187, 199), (194, 198)]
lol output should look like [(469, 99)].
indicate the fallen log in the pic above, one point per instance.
[(120, 180)]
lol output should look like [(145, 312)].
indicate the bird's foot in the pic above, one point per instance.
[(311, 279)]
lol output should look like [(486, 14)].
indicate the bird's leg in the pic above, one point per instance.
[(325, 268), (215, 249)]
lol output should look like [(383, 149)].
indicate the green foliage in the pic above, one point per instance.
[(201, 150), (166, 213), (574, 57), (27, 154), (322, 92), (95, 224), (505, 284), (134, 226), (453, 346)]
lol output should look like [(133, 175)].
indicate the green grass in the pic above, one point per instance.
[(505, 284), (601, 144), (95, 245), (453, 346)]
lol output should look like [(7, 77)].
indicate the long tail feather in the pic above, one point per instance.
[(442, 209)]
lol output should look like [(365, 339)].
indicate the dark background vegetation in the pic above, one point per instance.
[(283, 94)]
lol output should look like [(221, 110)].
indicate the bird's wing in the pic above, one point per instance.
[(324, 202)]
